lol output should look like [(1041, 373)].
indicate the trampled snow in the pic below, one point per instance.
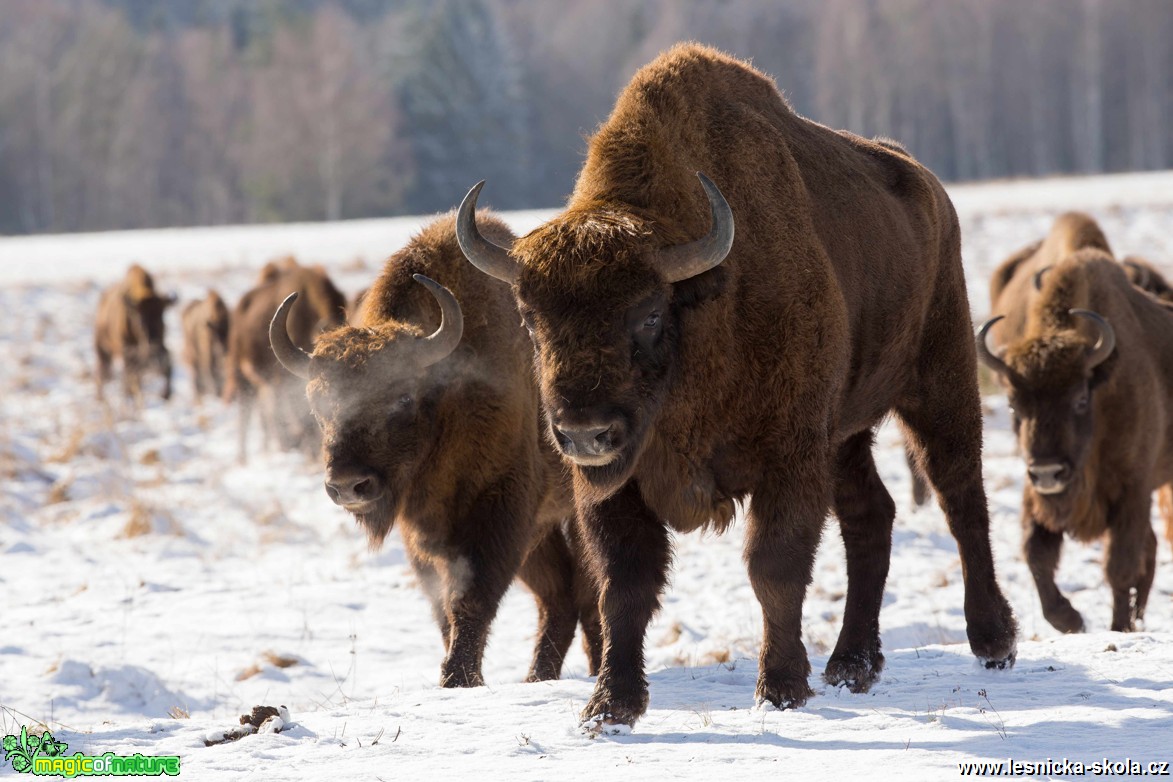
[(154, 591)]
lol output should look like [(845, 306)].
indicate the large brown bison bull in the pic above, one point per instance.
[(253, 373), (1090, 382), (683, 369), (129, 327), (430, 418), (205, 343)]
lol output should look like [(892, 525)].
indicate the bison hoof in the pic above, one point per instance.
[(1065, 618), (857, 672), (608, 714), (543, 673), (461, 678), (782, 691), (993, 637)]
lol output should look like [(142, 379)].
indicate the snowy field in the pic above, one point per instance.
[(153, 591)]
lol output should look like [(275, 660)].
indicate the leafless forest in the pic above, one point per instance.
[(137, 113)]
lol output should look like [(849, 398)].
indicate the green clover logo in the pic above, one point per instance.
[(22, 750)]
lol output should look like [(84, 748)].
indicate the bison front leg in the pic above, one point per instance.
[(549, 573), (475, 580), (785, 523), (1042, 549), (865, 511), (629, 553), (1129, 531), (586, 598)]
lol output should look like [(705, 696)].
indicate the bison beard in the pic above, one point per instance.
[(842, 299)]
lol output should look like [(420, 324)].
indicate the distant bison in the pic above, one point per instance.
[(253, 372), (1092, 399), (129, 327), (684, 370), (430, 418), (205, 342)]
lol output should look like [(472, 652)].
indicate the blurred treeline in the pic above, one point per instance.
[(135, 113)]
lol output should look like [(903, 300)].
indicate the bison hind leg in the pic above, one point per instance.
[(548, 572), (866, 512)]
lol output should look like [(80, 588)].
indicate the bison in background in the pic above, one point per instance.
[(253, 373), (430, 419), (1090, 383), (683, 370), (129, 327), (205, 343)]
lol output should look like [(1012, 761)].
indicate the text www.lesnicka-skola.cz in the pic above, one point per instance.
[(1065, 767)]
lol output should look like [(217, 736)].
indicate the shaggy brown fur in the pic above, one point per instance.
[(205, 342), (453, 453), (1017, 278), (354, 314), (842, 299), (1109, 427), (253, 372), (129, 326)]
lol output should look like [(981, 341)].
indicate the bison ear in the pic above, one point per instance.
[(1103, 371), (700, 289)]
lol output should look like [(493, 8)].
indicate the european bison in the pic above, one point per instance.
[(253, 372), (683, 370), (129, 326), (205, 342), (429, 417), (1090, 382)]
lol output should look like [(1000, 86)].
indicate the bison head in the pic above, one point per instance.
[(373, 395), (1051, 380), (602, 300)]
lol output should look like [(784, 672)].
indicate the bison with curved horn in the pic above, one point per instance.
[(430, 420), (685, 365), (1090, 383)]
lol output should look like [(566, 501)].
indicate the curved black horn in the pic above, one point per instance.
[(445, 339), (1142, 274), (490, 258), (988, 354), (1105, 344), (293, 358), (1039, 277), (688, 260)]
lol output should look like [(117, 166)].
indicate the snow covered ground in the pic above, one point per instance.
[(152, 589)]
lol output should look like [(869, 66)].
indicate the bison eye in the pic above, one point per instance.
[(1081, 404), (652, 321), (401, 404)]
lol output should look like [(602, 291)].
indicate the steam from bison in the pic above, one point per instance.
[(129, 326), (430, 418), (1090, 381), (684, 367)]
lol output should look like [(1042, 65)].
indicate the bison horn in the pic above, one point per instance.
[(986, 352), (1039, 277), (1142, 274), (445, 339), (688, 260), (490, 258), (1105, 344), (293, 358)]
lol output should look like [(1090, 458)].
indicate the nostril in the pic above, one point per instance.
[(564, 440), (362, 488), (603, 438)]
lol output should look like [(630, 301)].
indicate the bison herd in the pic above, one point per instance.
[(731, 302)]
